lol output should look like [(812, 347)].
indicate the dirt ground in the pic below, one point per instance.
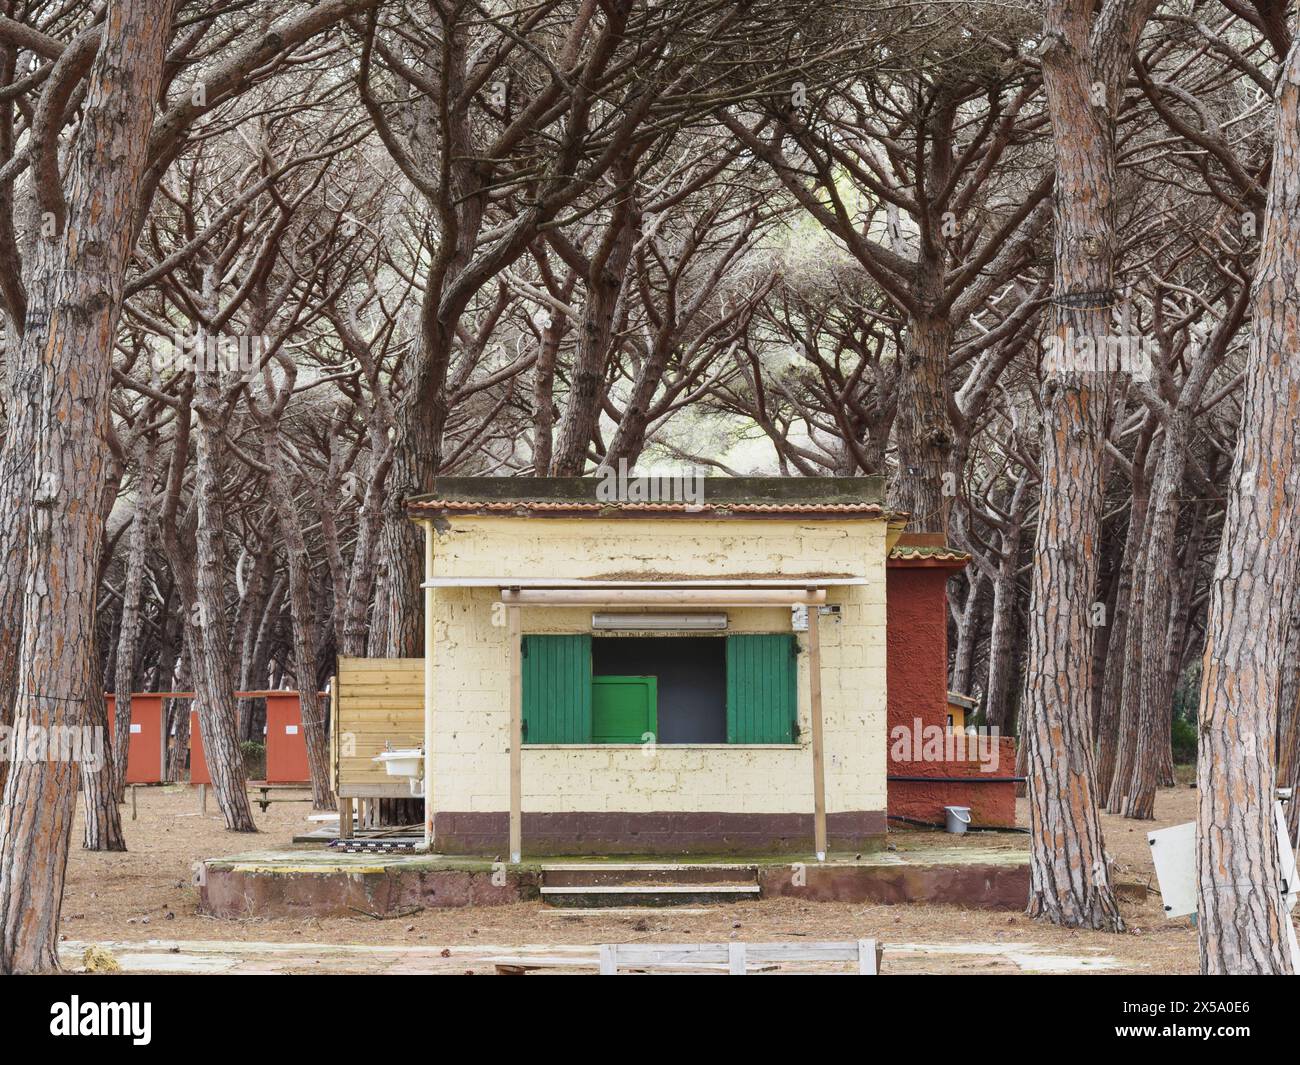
[(146, 895)]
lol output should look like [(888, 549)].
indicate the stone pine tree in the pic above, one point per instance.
[(1242, 923), (74, 299), (1086, 52)]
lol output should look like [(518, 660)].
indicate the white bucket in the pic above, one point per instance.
[(958, 817)]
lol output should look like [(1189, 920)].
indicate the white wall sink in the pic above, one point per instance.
[(408, 762)]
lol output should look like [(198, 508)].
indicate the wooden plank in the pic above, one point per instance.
[(818, 745), (381, 668), (399, 703), (736, 959), (608, 960), (369, 741), (345, 817), (374, 789), (778, 952), (371, 681), (515, 640), (359, 665)]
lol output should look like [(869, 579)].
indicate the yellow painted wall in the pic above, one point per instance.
[(472, 715)]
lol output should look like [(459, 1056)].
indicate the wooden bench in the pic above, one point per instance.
[(265, 789), (735, 959)]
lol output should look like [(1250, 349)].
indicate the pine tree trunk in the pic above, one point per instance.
[(1184, 598), (363, 573), (177, 712), (103, 818), (1112, 685), (544, 395), (1130, 694), (923, 487), (604, 284), (415, 464), (1155, 696), (75, 298), (1292, 780), (1241, 917), (301, 622), (969, 631), (132, 618), (1289, 689), (1069, 870), (15, 499), (210, 643), (251, 607), (1002, 640)]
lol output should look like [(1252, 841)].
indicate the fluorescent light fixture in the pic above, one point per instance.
[(693, 622)]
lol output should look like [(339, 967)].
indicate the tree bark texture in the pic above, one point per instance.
[(1241, 918), (1069, 871), (75, 298), (132, 619)]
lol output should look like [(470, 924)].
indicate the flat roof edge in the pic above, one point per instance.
[(711, 490), (710, 582)]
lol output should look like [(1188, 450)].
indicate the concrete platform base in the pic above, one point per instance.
[(311, 883)]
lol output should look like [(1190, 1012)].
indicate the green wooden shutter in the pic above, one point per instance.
[(557, 689), (761, 688)]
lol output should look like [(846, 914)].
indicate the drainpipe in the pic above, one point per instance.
[(428, 685)]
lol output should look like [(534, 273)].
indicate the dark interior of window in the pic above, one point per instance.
[(692, 680)]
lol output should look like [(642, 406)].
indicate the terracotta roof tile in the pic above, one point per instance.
[(913, 552)]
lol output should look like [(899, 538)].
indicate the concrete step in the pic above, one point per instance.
[(648, 895), (610, 874)]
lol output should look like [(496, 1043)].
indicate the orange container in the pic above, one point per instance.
[(286, 747), (144, 749), (198, 764)]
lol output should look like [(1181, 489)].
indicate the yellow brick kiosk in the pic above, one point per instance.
[(654, 677)]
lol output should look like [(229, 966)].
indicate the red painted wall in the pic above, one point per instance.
[(917, 662), (916, 609), (991, 802)]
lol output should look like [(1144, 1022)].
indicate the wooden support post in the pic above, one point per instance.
[(345, 818), (818, 752), (162, 741), (203, 798), (608, 959), (334, 734), (515, 638), (736, 959), (430, 686), (133, 802)]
